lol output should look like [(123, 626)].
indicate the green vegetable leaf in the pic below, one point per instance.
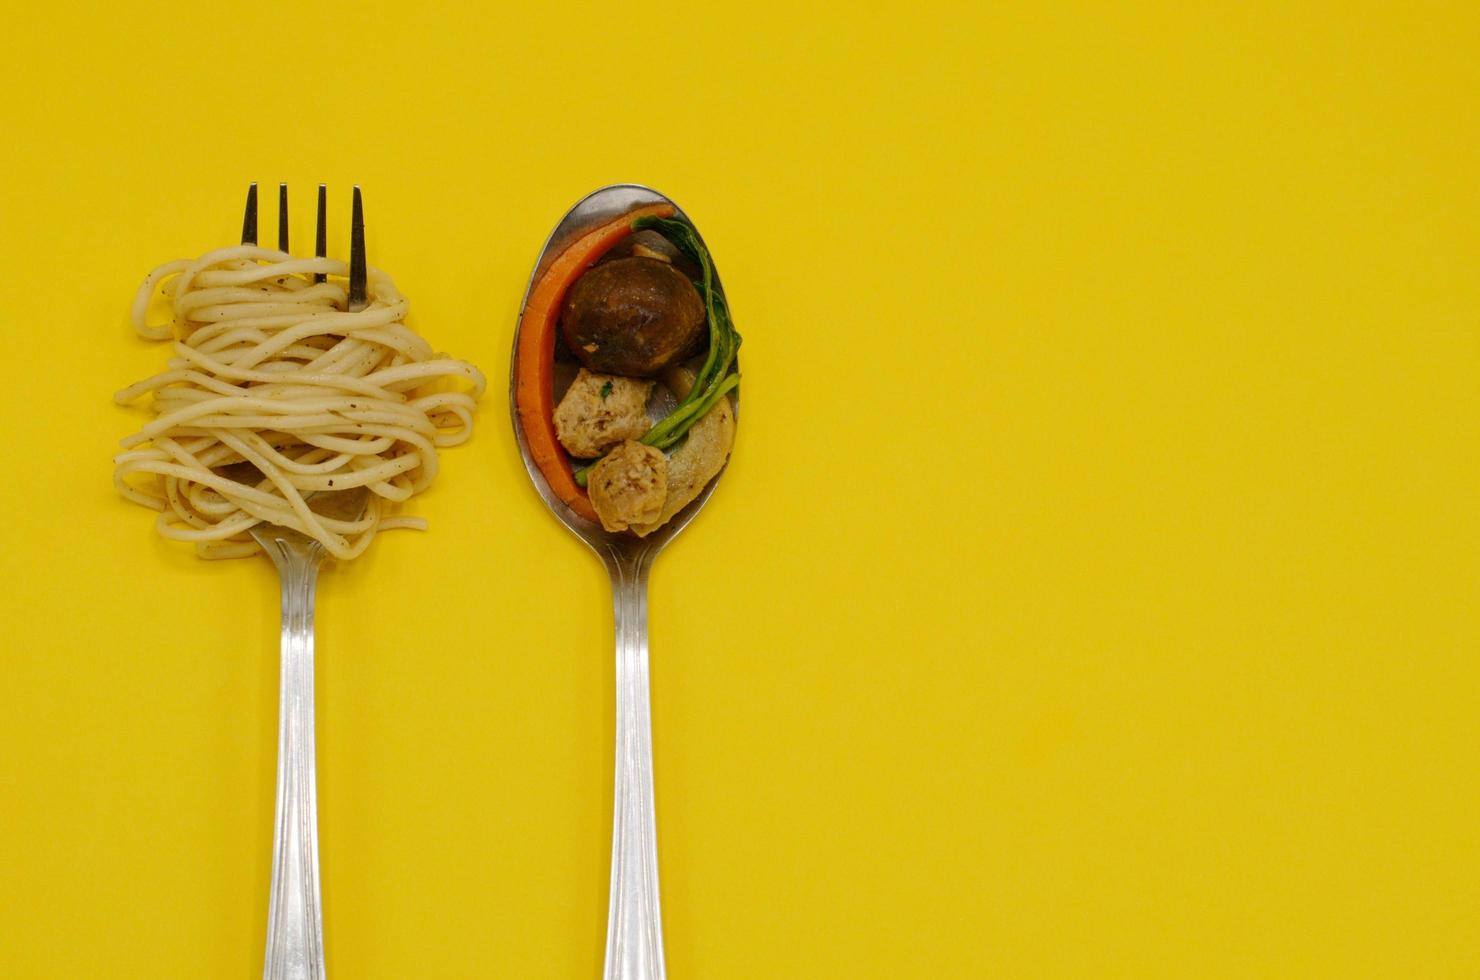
[(606, 389)]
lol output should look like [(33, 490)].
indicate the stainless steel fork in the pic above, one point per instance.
[(295, 920)]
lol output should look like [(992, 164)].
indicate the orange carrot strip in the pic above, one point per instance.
[(534, 361)]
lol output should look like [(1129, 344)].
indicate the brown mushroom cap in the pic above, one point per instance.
[(650, 244), (635, 316)]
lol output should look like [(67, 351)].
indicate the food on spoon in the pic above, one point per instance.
[(600, 411), (534, 386), (640, 492), (636, 316), (629, 486), (697, 460), (273, 377), (654, 246), (694, 437), (650, 244)]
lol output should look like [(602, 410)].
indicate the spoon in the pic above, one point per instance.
[(634, 931)]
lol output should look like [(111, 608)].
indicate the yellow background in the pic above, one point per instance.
[(1092, 593)]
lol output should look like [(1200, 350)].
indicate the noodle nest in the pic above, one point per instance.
[(276, 393)]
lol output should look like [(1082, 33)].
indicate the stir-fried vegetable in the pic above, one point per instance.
[(715, 378), (535, 355)]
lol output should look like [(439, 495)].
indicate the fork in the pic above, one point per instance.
[(295, 921)]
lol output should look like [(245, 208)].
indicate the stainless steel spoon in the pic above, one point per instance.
[(634, 932)]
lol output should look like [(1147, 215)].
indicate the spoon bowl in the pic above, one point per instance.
[(593, 210)]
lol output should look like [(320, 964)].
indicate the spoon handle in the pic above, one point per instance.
[(295, 924), (634, 930)]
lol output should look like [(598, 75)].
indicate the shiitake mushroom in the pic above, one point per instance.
[(652, 245), (635, 316)]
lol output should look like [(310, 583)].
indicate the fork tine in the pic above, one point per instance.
[(249, 219), (357, 255), (282, 217), (321, 235)]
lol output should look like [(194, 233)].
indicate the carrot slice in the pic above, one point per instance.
[(534, 361)]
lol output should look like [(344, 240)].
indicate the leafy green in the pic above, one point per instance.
[(606, 389), (715, 378)]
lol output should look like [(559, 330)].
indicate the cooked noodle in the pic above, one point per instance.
[(276, 393)]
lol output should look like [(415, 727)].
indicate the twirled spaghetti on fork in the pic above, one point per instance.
[(276, 392)]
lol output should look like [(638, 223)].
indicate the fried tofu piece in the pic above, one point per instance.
[(697, 460), (629, 486), (600, 411)]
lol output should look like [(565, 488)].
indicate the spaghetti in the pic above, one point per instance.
[(276, 393)]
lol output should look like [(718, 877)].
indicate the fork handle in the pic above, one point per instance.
[(634, 931), (295, 924)]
